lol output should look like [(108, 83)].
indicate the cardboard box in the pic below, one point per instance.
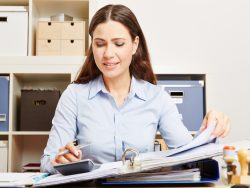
[(189, 97), (38, 109), (14, 31)]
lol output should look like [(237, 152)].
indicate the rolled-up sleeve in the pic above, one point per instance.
[(171, 127), (63, 129)]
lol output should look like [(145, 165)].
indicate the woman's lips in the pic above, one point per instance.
[(110, 65)]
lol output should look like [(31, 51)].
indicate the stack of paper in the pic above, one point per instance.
[(160, 176)]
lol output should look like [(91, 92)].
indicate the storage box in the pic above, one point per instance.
[(4, 155), (4, 103), (61, 38), (37, 109), (189, 96), (14, 31)]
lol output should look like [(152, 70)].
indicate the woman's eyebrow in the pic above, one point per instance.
[(113, 39), (99, 39)]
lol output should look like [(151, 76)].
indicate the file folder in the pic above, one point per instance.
[(4, 103), (209, 172)]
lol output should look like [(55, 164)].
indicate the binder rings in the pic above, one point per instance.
[(4, 103)]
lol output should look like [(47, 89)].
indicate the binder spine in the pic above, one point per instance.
[(4, 103)]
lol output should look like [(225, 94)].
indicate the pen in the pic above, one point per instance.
[(78, 146)]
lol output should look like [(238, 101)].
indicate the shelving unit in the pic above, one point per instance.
[(22, 144), (46, 72)]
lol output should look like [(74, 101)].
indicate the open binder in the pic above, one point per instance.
[(197, 153), (208, 169), (200, 156)]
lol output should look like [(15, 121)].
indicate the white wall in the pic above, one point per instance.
[(209, 37)]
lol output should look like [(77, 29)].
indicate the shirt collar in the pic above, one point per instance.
[(96, 86), (137, 88)]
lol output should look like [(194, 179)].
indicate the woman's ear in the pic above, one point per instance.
[(135, 44)]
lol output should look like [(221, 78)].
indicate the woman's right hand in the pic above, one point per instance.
[(73, 155)]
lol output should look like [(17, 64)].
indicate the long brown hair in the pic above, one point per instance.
[(140, 66)]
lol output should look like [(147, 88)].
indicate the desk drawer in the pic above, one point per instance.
[(49, 30), (48, 47), (73, 30), (72, 47)]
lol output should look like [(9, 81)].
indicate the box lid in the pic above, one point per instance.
[(13, 8)]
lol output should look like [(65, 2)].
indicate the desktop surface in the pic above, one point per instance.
[(93, 184)]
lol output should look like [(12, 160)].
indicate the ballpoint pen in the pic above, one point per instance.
[(78, 146)]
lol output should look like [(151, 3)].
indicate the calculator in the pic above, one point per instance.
[(81, 166)]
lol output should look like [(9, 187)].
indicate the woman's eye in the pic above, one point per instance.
[(100, 44), (119, 44)]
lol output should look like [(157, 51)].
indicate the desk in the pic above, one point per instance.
[(92, 184)]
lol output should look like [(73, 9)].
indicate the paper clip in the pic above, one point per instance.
[(133, 164)]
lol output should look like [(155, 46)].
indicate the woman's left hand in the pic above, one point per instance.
[(222, 127)]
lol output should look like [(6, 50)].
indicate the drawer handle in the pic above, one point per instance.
[(39, 102), (72, 23), (3, 117), (176, 94), (49, 41), (49, 23), (3, 19), (72, 41)]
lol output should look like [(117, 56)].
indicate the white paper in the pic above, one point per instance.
[(20, 179), (201, 138), (171, 175)]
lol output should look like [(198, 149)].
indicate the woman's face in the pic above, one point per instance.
[(113, 48)]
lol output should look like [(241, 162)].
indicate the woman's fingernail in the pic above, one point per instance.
[(76, 153), (212, 137)]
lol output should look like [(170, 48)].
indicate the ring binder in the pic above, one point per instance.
[(133, 164)]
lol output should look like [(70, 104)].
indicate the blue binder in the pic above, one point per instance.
[(209, 170), (4, 103)]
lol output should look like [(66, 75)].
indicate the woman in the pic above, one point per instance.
[(114, 103)]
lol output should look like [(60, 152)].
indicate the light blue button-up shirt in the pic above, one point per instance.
[(88, 112)]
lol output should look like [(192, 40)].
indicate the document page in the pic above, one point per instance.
[(201, 138), (20, 179)]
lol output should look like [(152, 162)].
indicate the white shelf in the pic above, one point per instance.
[(14, 2), (4, 133), (30, 133)]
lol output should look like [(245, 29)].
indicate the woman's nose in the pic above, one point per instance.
[(109, 52)]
